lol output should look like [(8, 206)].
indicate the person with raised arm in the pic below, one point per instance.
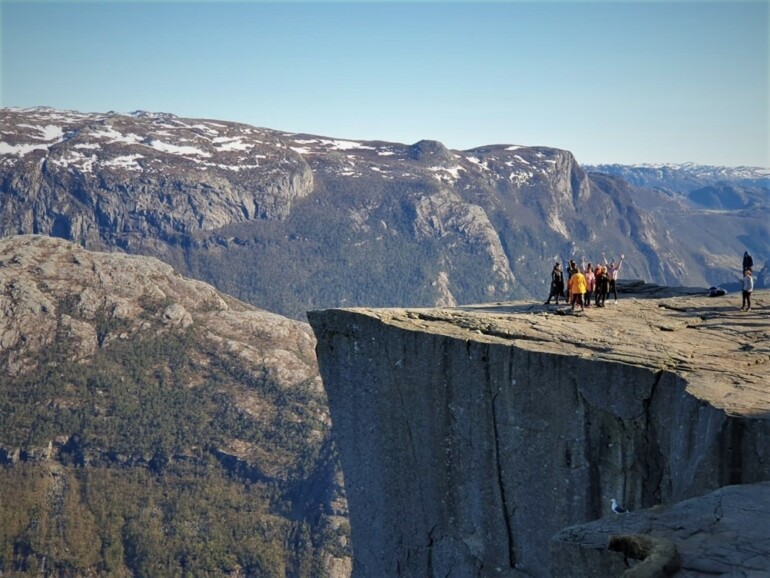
[(612, 271), (747, 285)]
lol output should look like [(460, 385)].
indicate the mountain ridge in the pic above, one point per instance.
[(292, 221)]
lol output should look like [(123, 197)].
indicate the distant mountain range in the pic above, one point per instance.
[(292, 222), (649, 174), (719, 188)]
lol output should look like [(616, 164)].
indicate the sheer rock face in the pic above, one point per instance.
[(470, 436), (98, 178)]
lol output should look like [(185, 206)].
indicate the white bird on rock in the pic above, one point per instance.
[(617, 508)]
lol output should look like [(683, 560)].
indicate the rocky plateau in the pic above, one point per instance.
[(470, 436)]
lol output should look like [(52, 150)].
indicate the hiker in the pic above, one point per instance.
[(612, 271), (748, 261), (590, 282), (557, 284), (570, 272), (602, 286), (577, 288), (597, 272), (747, 285)]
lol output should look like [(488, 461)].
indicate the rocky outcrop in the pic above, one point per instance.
[(723, 533), (470, 436), (115, 367)]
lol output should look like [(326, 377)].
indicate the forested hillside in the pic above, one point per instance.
[(151, 426)]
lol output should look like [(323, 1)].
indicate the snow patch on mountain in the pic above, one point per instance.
[(447, 174), (20, 149), (224, 143), (127, 162), (48, 132), (115, 136), (698, 170), (177, 150)]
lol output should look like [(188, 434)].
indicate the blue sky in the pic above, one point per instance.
[(628, 82)]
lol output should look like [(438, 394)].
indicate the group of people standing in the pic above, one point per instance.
[(585, 283)]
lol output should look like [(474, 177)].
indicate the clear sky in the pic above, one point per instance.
[(627, 82)]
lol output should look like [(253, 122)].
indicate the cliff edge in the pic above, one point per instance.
[(470, 436)]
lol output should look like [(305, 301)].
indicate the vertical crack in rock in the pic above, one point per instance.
[(396, 383), (591, 456), (652, 491), (405, 413), (737, 430), (500, 477), (430, 551)]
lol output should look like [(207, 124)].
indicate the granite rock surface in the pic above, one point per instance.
[(469, 436)]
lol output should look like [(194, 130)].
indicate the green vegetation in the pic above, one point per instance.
[(138, 483), (318, 258), (191, 521)]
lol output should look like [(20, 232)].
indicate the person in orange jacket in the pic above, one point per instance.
[(577, 288)]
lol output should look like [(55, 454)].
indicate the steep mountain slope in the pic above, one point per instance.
[(150, 425), (293, 222)]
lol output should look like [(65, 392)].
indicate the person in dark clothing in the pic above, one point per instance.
[(557, 284), (602, 287), (748, 261), (571, 268)]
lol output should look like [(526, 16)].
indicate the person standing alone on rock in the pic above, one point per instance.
[(557, 284), (748, 287)]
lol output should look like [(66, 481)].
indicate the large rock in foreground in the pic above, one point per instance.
[(724, 533), (470, 436)]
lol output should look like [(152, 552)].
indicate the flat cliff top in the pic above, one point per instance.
[(723, 353)]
